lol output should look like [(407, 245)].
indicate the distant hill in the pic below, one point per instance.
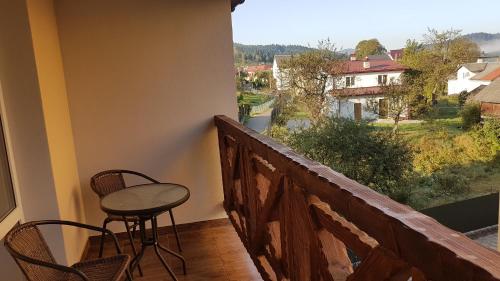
[(489, 42), (256, 54), (264, 54)]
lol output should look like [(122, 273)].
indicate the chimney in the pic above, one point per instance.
[(353, 57), (366, 63)]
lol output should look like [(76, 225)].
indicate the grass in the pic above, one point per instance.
[(484, 178), (444, 116), (252, 99)]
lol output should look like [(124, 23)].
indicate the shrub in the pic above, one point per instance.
[(462, 98), (375, 159), (471, 115), (447, 183), (279, 133)]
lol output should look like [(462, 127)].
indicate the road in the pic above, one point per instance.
[(260, 122)]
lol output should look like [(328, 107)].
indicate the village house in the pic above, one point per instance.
[(471, 76), (358, 88), (489, 99)]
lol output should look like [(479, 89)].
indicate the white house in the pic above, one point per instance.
[(471, 76), (278, 70), (358, 92), (358, 89)]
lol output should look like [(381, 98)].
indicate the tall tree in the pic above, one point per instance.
[(311, 76), (369, 47), (438, 58)]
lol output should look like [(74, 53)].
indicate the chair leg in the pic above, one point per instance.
[(134, 228), (129, 276), (103, 237), (131, 239), (175, 230)]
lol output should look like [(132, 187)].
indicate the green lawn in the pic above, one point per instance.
[(485, 178), (253, 99)]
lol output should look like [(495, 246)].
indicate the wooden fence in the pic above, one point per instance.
[(299, 220)]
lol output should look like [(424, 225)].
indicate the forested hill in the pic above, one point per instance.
[(248, 54), (489, 42), (483, 37)]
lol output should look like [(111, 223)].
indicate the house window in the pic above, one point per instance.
[(7, 200), (382, 79), (349, 81)]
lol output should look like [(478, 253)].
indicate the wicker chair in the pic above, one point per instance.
[(30, 251), (110, 181)]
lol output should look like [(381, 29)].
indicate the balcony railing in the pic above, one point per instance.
[(300, 220)]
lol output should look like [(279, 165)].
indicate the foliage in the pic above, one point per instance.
[(462, 97), (448, 183), (263, 80), (373, 158), (369, 47), (437, 58), (398, 97), (241, 81), (247, 54), (439, 151), (245, 102), (252, 99), (279, 133), (284, 110), (309, 75), (471, 115)]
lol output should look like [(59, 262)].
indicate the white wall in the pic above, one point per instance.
[(140, 97), (363, 80), (464, 74), (458, 86), (347, 107), (464, 82), (27, 132)]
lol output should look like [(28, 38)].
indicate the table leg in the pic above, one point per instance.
[(154, 241), (135, 261)]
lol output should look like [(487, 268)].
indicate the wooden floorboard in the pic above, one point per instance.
[(212, 252)]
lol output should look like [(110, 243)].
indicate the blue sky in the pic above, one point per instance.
[(305, 22)]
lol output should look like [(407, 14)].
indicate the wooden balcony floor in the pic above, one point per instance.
[(212, 252)]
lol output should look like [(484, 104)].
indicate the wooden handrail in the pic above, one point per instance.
[(299, 220)]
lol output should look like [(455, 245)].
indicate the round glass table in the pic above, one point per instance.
[(147, 202)]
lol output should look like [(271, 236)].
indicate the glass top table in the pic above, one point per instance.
[(145, 200)]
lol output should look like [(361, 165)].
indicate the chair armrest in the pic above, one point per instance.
[(45, 264), (140, 175), (82, 225)]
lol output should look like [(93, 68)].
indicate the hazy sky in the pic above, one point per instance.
[(305, 22)]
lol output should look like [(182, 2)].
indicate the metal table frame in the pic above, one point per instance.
[(152, 240)]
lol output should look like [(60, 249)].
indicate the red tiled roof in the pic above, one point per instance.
[(257, 68), (492, 76), (366, 91), (375, 66), (396, 54)]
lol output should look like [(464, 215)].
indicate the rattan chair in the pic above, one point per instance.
[(30, 251), (110, 181)]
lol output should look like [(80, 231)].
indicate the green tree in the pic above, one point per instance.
[(397, 99), (369, 47), (355, 149), (437, 58), (311, 76)]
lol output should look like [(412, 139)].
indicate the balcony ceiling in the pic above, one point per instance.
[(235, 3)]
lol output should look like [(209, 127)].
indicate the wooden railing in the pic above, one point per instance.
[(300, 221)]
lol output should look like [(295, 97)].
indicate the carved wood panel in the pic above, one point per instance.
[(301, 221)]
